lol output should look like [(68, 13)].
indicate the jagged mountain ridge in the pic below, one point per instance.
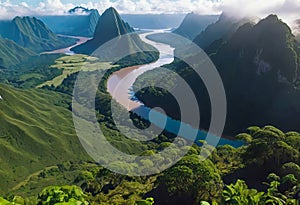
[(33, 34)]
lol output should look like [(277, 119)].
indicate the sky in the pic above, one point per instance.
[(288, 10)]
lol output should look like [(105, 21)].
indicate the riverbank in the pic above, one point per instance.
[(120, 83)]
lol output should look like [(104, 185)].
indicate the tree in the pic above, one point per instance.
[(148, 201), (56, 194), (269, 148), (194, 178), (244, 137), (239, 193)]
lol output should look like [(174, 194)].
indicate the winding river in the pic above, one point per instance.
[(120, 84)]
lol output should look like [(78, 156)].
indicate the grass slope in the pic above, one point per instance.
[(36, 131), (12, 54), (73, 64)]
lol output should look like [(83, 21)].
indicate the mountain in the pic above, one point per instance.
[(259, 67), (36, 131), (223, 28), (85, 27), (193, 24), (74, 24), (12, 54), (110, 26), (32, 33)]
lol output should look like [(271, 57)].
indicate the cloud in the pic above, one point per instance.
[(288, 10)]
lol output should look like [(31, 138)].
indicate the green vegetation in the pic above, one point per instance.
[(74, 64), (258, 64), (31, 72), (109, 26), (43, 162), (11, 54), (191, 180), (36, 132), (33, 34), (57, 195)]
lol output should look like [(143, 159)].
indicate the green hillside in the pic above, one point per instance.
[(12, 54), (259, 67), (33, 34), (36, 131)]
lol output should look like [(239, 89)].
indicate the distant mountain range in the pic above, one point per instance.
[(74, 25), (193, 24), (223, 28), (33, 34)]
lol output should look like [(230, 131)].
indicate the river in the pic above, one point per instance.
[(120, 84), (67, 50)]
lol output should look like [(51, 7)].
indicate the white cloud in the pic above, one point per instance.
[(288, 10)]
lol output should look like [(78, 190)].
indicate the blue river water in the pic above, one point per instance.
[(120, 87)]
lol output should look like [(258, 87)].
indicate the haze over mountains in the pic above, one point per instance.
[(223, 28), (153, 21), (74, 25), (193, 24)]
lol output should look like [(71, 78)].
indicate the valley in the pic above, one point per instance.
[(89, 113), (120, 86)]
